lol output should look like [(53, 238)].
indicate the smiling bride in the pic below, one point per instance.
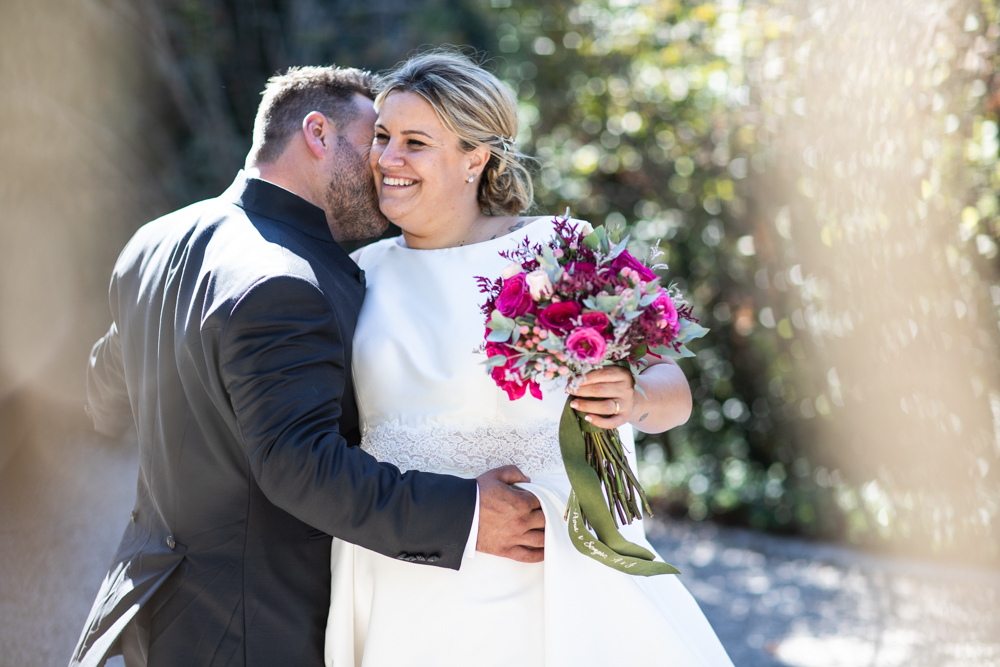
[(448, 174)]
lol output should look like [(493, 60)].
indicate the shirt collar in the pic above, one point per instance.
[(271, 201)]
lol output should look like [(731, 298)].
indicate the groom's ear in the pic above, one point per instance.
[(318, 132)]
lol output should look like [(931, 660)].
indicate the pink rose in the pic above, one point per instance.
[(514, 299), (587, 344), (596, 320), (626, 260), (559, 316), (664, 310)]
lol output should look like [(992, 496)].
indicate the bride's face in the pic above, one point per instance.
[(421, 173)]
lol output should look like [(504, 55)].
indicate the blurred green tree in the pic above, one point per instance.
[(822, 178)]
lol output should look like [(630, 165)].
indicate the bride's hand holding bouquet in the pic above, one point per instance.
[(583, 312)]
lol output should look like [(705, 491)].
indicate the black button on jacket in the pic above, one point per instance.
[(230, 351)]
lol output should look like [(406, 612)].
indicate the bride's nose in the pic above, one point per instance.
[(391, 156)]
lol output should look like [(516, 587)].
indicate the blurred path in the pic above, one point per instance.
[(783, 601), (62, 511), (773, 601)]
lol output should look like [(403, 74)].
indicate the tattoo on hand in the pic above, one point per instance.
[(516, 227), (644, 416)]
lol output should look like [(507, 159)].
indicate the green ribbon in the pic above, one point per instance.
[(587, 499)]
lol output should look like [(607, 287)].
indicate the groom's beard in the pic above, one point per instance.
[(351, 196)]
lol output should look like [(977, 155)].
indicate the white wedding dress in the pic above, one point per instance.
[(427, 403)]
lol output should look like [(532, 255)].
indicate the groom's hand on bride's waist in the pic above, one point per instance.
[(511, 522)]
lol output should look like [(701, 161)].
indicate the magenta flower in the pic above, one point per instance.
[(587, 344), (625, 260), (665, 313), (515, 298)]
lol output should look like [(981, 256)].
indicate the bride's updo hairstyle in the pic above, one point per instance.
[(480, 110)]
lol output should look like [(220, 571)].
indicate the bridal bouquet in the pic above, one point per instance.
[(559, 311)]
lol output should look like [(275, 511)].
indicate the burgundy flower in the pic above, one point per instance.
[(626, 260), (587, 344), (515, 298), (597, 321), (582, 269), (559, 316)]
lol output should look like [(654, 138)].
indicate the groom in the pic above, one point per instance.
[(230, 351)]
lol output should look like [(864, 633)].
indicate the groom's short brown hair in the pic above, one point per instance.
[(289, 97)]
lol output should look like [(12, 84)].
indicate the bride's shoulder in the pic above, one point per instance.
[(367, 255), (543, 225)]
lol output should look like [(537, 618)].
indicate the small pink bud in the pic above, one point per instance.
[(524, 329), (563, 370), (558, 252), (543, 334)]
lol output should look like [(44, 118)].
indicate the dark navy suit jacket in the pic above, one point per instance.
[(230, 351)]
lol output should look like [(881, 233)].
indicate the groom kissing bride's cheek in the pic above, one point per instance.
[(327, 473)]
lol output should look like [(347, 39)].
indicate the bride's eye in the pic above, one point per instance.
[(415, 143), (381, 137)]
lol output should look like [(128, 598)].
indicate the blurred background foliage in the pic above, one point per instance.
[(822, 176)]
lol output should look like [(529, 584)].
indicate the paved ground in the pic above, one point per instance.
[(773, 601)]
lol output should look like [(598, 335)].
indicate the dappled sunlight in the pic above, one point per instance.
[(805, 605)]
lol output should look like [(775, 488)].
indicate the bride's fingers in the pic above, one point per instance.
[(604, 408), (608, 422), (607, 374), (603, 390)]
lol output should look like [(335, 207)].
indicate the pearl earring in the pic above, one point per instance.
[(472, 178)]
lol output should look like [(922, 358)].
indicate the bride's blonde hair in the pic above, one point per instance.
[(480, 110)]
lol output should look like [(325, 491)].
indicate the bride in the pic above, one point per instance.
[(447, 173)]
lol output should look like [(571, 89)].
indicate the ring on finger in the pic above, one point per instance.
[(617, 407)]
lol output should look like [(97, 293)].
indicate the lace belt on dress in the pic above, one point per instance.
[(463, 450)]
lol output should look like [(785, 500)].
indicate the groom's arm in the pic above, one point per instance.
[(107, 394), (283, 363)]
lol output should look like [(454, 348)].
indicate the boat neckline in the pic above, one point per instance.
[(398, 240)]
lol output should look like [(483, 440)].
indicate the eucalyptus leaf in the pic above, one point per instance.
[(606, 303), (602, 237), (498, 336), (500, 323), (690, 330), (618, 249), (592, 240), (496, 360), (647, 299)]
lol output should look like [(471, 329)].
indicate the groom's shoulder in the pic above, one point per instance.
[(214, 238)]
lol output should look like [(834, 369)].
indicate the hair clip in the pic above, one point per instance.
[(507, 143)]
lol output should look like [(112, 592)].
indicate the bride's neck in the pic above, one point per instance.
[(451, 232)]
